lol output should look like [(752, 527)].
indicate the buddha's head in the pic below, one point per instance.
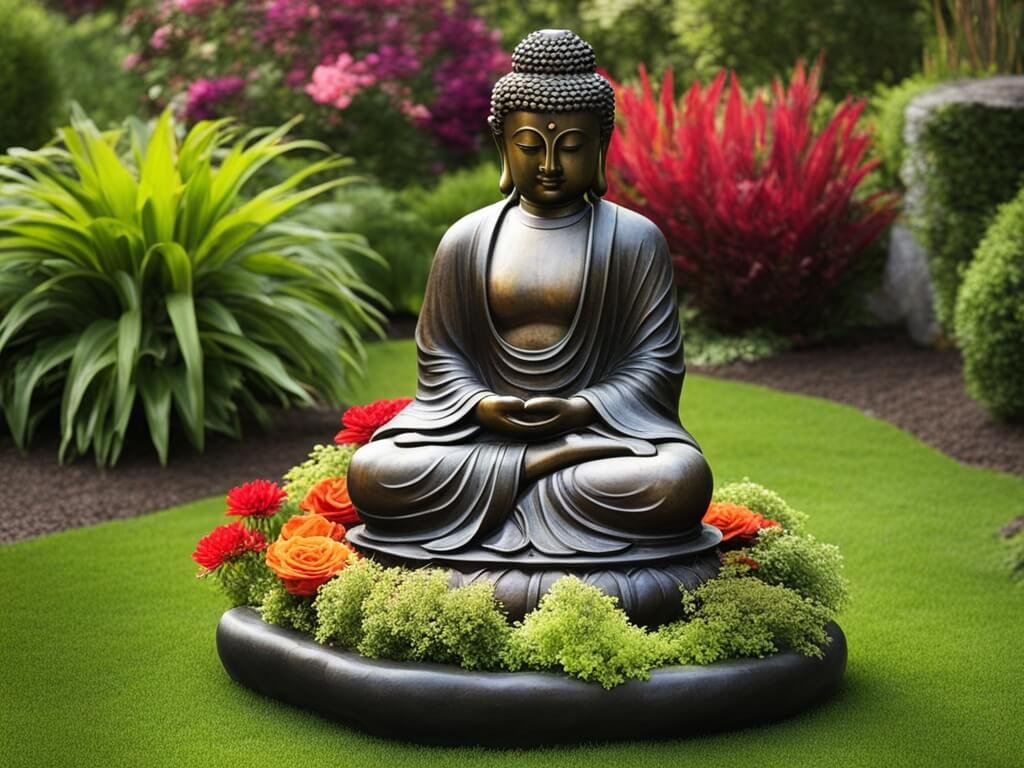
[(552, 119)]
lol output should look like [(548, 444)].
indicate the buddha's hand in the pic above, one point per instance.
[(537, 417), (558, 414), (494, 413)]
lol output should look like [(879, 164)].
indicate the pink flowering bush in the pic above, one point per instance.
[(402, 84)]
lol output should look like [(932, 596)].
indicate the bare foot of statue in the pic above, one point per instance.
[(544, 458)]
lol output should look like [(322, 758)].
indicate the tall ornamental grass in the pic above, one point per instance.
[(139, 278), (760, 206)]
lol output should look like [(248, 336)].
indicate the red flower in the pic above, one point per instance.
[(361, 421), (224, 543), (259, 498), (736, 521)]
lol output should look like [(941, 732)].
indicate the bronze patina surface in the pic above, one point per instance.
[(545, 430), (544, 441)]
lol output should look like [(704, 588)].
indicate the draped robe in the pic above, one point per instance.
[(448, 483)]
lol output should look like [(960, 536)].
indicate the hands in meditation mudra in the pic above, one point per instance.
[(545, 438)]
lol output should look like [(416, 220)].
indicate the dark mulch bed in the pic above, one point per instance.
[(39, 496), (920, 390)]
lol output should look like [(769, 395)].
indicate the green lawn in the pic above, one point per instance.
[(107, 642)]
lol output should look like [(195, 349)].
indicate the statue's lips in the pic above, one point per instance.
[(550, 183)]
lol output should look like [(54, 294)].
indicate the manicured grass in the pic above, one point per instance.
[(107, 654)]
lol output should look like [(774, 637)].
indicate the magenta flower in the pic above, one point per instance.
[(204, 97), (196, 7)]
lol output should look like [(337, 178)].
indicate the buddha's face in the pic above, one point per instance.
[(552, 156)]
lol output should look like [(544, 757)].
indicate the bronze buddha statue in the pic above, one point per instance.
[(544, 438)]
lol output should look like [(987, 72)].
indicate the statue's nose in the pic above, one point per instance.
[(550, 166)]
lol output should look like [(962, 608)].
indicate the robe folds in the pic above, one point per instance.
[(450, 484)]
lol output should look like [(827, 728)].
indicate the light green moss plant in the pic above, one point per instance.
[(742, 617), (765, 502), (287, 610), (580, 630)]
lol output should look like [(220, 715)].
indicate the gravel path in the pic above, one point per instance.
[(919, 390)]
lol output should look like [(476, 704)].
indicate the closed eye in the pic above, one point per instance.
[(529, 148), (572, 147)]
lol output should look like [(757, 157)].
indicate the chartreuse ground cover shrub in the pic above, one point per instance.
[(141, 276), (972, 162), (108, 651), (761, 209), (30, 86), (990, 316)]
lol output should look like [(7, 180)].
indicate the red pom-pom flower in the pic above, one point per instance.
[(361, 421), (736, 521), (224, 543), (258, 498)]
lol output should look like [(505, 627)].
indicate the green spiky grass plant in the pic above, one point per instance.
[(136, 269)]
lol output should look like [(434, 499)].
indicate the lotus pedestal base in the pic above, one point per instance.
[(439, 704)]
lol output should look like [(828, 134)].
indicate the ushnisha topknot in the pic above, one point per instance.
[(553, 70)]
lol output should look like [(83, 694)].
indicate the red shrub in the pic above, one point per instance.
[(757, 206)]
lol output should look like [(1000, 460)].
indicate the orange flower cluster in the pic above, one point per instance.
[(308, 553), (736, 521), (329, 498)]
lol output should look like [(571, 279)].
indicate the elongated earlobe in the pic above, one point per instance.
[(505, 183), (600, 185)]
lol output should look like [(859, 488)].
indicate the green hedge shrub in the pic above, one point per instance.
[(887, 110), (974, 156), (865, 43), (88, 53), (137, 277), (30, 91), (990, 316), (623, 33), (405, 226)]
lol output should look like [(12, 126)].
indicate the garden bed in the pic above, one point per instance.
[(109, 645), (919, 390)]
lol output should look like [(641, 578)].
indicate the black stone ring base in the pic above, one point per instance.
[(440, 704)]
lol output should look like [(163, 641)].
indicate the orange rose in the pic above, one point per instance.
[(736, 521), (305, 562), (312, 525), (330, 498)]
